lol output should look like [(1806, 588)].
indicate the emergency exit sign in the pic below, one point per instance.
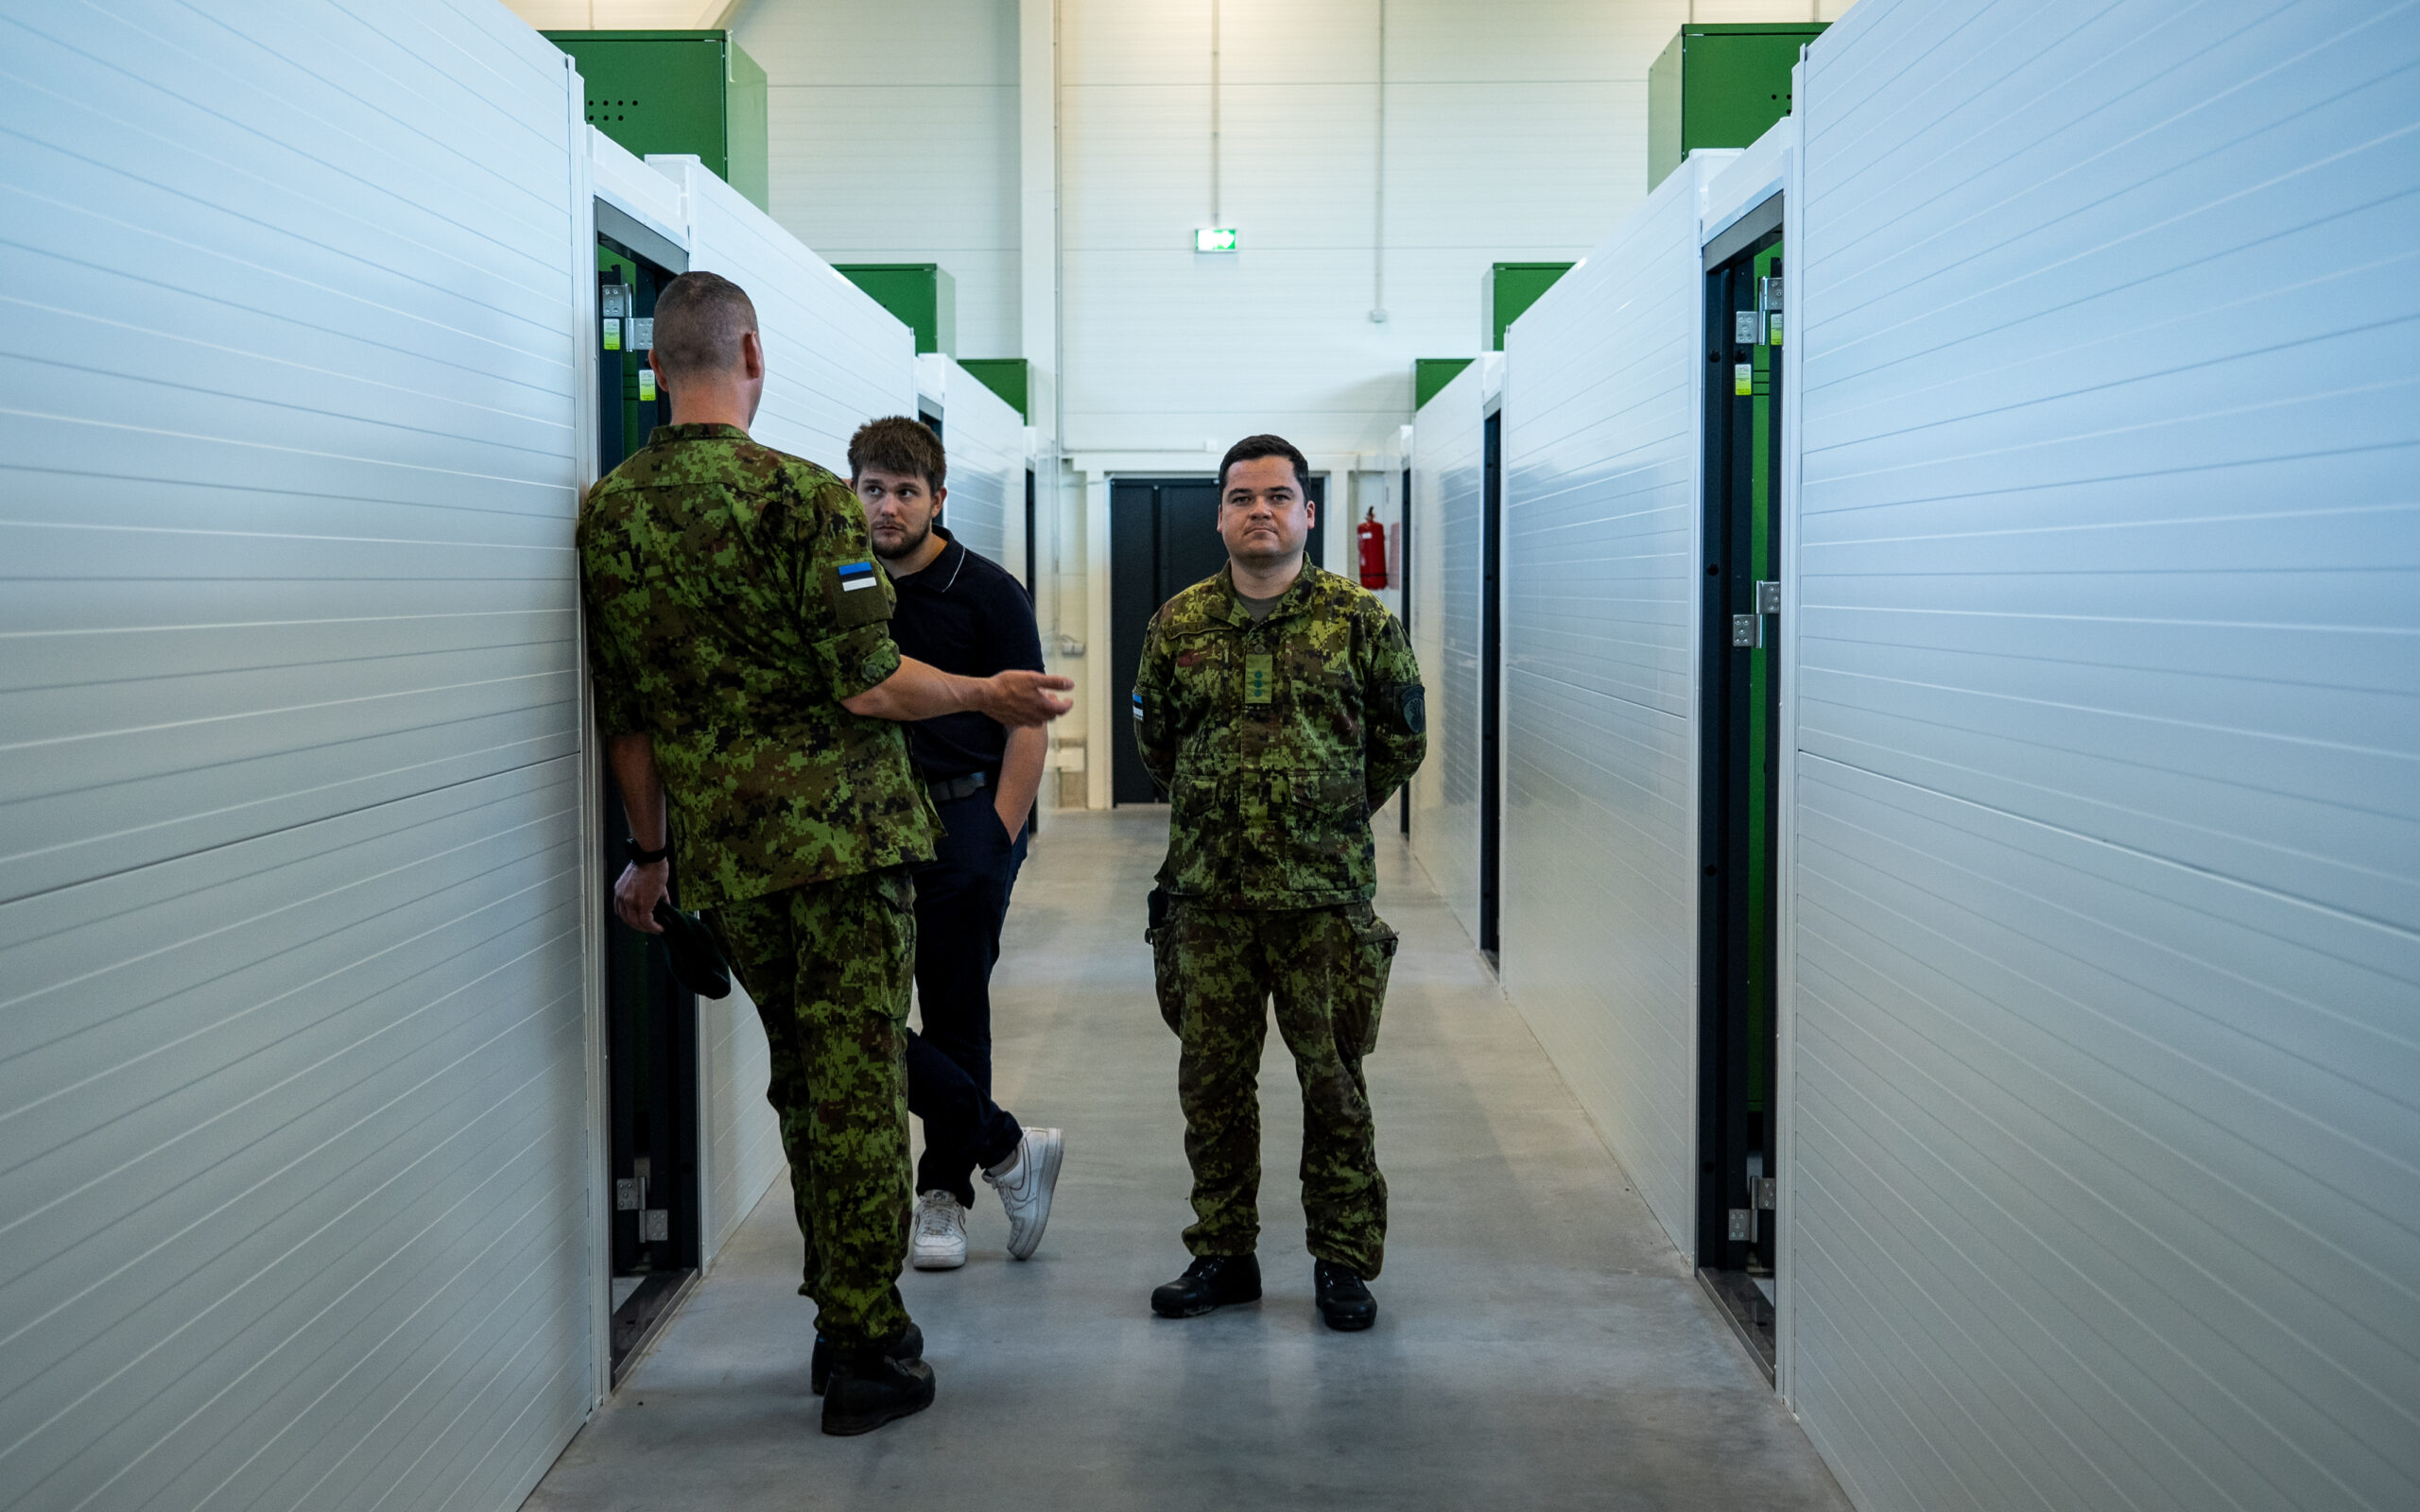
[(1215, 239)]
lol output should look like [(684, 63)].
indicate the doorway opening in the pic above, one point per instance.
[(1163, 538), (650, 1020), (1739, 1175), (1490, 690)]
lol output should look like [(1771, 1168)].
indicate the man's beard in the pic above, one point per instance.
[(906, 548)]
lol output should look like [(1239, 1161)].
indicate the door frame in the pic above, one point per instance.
[(1766, 219)]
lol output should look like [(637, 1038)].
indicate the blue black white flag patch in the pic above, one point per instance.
[(856, 574), (1138, 706)]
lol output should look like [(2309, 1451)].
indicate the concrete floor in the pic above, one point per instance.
[(1539, 1342)]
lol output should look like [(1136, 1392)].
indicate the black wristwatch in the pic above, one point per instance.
[(642, 858)]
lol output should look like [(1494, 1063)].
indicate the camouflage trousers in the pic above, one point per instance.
[(1218, 970), (828, 964)]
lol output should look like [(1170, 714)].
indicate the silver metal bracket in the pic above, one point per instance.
[(626, 1196), (1765, 1188), (655, 1226), (1768, 597), (1747, 631), (1744, 1224)]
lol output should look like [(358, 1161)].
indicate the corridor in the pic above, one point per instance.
[(1539, 1342)]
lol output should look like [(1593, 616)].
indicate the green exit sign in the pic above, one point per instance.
[(1215, 239)]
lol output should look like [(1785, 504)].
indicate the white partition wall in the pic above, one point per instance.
[(1602, 546), (295, 1207), (1445, 458), (2108, 832), (834, 358), (986, 442)]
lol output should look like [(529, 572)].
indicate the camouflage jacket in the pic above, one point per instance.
[(1274, 741), (733, 602)]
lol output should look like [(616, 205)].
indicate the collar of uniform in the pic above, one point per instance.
[(1230, 605), (695, 433)]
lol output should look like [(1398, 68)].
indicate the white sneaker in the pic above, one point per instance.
[(937, 1240), (1024, 1181)]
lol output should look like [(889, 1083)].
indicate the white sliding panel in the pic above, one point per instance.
[(294, 1163), (2107, 1187), (986, 442), (1445, 458), (1601, 553), (834, 360)]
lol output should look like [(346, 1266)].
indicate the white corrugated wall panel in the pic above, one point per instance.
[(833, 359), (1602, 546), (986, 445), (2107, 866), (293, 1070), (1447, 446)]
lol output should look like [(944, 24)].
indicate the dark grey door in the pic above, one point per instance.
[(1163, 538)]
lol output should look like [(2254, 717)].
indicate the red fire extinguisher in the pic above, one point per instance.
[(1374, 551)]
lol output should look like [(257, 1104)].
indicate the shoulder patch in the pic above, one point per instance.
[(857, 594)]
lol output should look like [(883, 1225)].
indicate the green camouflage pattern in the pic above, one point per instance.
[(721, 624), (829, 967), (1217, 969), (1275, 740)]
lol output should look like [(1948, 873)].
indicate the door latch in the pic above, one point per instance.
[(1747, 631)]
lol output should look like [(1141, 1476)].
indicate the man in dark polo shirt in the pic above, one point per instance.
[(962, 613)]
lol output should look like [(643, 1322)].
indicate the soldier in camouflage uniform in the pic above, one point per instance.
[(740, 649), (1277, 705)]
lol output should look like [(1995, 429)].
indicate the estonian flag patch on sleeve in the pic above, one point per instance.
[(1138, 704), (856, 574)]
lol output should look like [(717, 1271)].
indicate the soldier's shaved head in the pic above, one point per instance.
[(699, 320)]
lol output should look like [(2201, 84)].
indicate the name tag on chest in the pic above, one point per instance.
[(1260, 677)]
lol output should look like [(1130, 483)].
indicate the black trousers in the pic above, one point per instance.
[(962, 897)]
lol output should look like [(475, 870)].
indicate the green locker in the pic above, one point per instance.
[(922, 295), (1719, 86), (678, 92)]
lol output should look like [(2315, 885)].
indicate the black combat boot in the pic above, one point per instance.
[(908, 1345), (1210, 1282), (1344, 1301), (869, 1388)]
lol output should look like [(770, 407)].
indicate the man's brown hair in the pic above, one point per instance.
[(699, 320), (895, 444), (1252, 447)]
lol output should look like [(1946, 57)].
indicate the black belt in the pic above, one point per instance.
[(959, 787)]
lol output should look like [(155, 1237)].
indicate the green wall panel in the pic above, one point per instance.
[(1719, 86), (1513, 287), (1008, 377), (922, 295), (1430, 374), (692, 92)]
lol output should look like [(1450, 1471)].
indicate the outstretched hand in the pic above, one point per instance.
[(1018, 698)]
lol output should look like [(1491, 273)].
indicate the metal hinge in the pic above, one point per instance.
[(1747, 631), (655, 1226), (1743, 1225), (1768, 597), (626, 1196), (1765, 1188)]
